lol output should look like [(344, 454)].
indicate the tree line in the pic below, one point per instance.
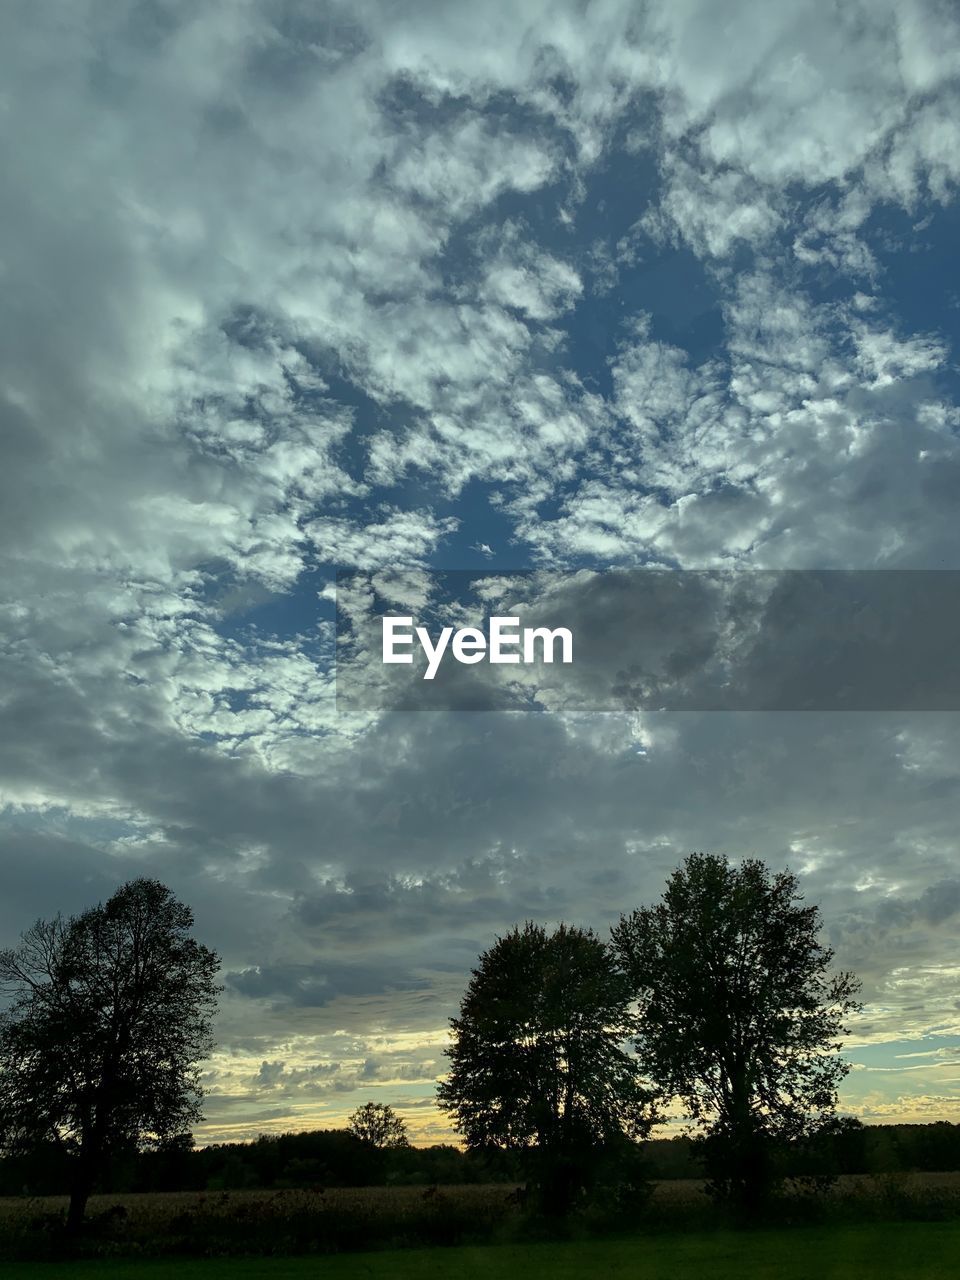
[(315, 1159), (565, 1053)]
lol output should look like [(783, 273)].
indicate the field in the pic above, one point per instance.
[(321, 1220), (380, 1231), (884, 1251)]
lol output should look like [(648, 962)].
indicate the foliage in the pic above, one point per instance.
[(736, 1014), (537, 1061), (110, 1013), (378, 1124)]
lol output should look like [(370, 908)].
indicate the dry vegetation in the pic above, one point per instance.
[(262, 1222), (329, 1220), (160, 1209)]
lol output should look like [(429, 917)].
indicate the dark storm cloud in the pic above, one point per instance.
[(937, 904), (313, 986)]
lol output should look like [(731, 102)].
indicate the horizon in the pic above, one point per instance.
[(654, 1135)]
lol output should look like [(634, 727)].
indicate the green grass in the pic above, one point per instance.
[(885, 1251)]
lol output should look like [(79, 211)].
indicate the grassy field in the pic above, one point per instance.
[(865, 1224), (886, 1251)]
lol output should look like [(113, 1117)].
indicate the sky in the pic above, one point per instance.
[(291, 288)]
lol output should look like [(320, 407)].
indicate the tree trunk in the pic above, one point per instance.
[(80, 1187), (752, 1176), (748, 1150)]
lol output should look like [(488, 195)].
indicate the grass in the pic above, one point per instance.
[(885, 1251)]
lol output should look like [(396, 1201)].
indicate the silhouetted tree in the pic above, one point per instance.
[(537, 1061), (110, 1012), (737, 1016), (378, 1124)]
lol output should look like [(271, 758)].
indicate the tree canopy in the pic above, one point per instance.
[(538, 1058), (110, 1015), (737, 1014), (378, 1124)]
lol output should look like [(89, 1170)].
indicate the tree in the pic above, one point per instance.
[(737, 1016), (537, 1061), (378, 1124), (110, 1014)]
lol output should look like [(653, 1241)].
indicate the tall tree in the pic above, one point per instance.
[(537, 1061), (378, 1124), (737, 1014), (110, 1014)]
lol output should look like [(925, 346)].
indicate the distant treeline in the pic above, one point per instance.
[(335, 1157), (852, 1148), (318, 1158)]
